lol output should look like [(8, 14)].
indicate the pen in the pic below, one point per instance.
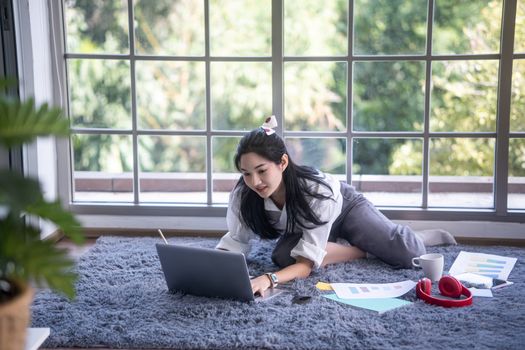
[(497, 282), (163, 236)]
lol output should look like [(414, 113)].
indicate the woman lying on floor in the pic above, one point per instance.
[(318, 219)]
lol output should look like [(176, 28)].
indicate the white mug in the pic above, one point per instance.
[(432, 265)]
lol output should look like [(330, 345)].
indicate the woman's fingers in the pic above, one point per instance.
[(260, 284)]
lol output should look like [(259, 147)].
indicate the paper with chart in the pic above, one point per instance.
[(489, 265), (371, 290)]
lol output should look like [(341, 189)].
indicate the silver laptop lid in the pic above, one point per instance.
[(205, 272)]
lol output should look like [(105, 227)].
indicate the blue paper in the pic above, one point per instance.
[(379, 305)]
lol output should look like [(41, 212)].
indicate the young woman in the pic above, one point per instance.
[(309, 212)]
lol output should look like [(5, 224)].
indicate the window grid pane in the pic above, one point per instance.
[(467, 27), (100, 93), (171, 95), (97, 26), (225, 175), (516, 193), (176, 174), (326, 154), (517, 104), (389, 96), (241, 94), (240, 28), (388, 171), (102, 168), (315, 28), (169, 28), (465, 181), (519, 36), (315, 96), (464, 96), (382, 29)]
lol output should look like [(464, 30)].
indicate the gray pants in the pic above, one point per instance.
[(363, 226)]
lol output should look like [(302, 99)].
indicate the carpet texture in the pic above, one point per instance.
[(122, 302)]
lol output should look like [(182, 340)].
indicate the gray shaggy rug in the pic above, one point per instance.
[(123, 302)]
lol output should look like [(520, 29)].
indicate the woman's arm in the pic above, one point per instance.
[(301, 269), (238, 237), (335, 253)]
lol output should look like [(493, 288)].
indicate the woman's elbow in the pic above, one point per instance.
[(306, 272), (306, 267)]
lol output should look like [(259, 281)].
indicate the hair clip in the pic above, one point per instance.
[(269, 124)]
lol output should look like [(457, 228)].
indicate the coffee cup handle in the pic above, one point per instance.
[(415, 262)]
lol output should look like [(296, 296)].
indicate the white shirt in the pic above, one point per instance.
[(311, 245)]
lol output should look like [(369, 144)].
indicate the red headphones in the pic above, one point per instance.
[(449, 287)]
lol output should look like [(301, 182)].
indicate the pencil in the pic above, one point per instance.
[(164, 238)]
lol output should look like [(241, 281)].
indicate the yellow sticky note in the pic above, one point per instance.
[(323, 286)]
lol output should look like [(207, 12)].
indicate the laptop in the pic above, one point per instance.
[(208, 272)]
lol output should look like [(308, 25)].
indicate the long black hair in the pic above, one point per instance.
[(299, 212)]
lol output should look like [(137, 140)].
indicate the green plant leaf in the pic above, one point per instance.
[(54, 212), (23, 196), (7, 82), (21, 122), (18, 192), (23, 256)]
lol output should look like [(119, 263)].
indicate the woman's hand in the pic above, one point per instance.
[(260, 284)]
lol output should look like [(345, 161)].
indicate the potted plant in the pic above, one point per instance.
[(25, 259)]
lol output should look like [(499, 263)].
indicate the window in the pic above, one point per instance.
[(516, 161), (407, 100)]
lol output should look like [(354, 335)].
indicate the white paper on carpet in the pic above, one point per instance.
[(372, 290)]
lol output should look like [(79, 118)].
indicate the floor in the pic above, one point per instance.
[(77, 251)]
